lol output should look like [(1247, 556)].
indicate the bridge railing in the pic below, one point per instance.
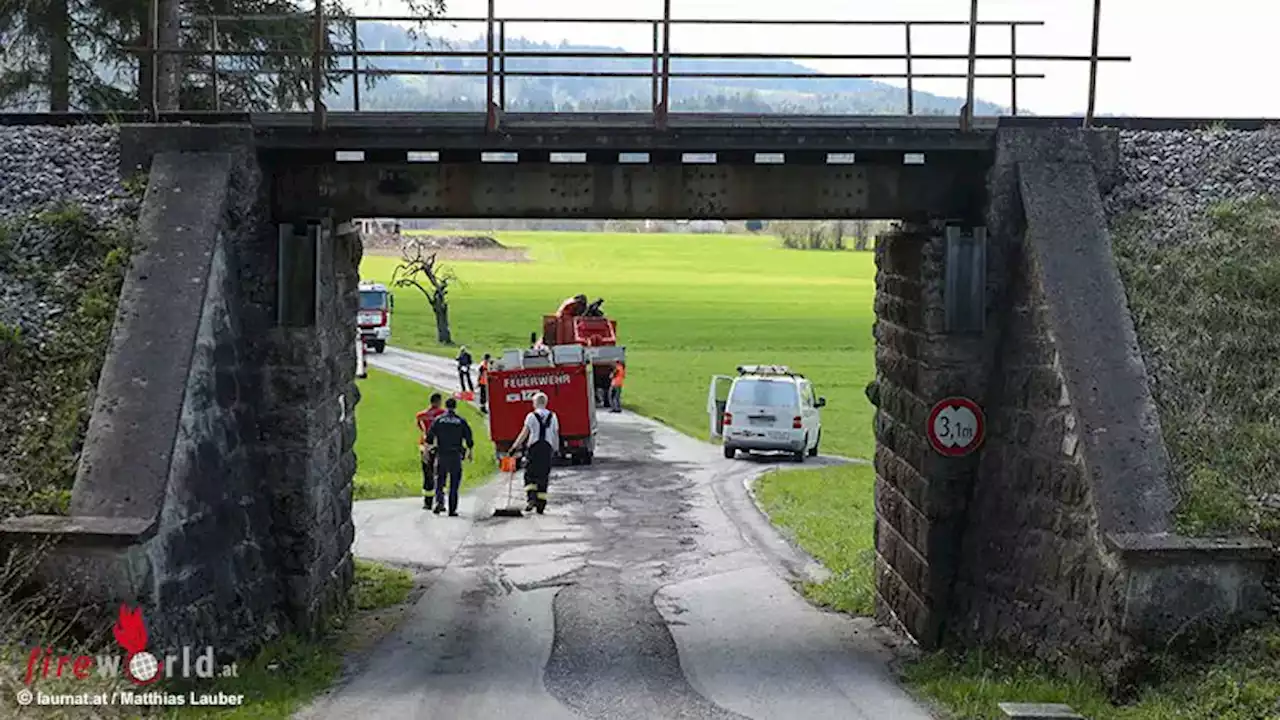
[(327, 53)]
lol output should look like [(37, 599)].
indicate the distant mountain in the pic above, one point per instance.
[(579, 94)]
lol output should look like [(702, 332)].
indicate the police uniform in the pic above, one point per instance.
[(452, 437)]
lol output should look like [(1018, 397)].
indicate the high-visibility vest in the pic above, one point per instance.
[(425, 418), (619, 374), (484, 372)]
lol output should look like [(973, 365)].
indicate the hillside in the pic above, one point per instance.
[(749, 95)]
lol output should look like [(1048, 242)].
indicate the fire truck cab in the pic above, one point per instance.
[(374, 316)]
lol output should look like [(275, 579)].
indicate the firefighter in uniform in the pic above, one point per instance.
[(428, 453), (539, 437), (482, 379), (452, 438)]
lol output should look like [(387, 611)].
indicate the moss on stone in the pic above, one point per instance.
[(1207, 314), (47, 381)]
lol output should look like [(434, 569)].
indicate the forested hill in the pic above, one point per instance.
[(577, 94)]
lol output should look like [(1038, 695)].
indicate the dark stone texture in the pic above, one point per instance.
[(235, 521), (921, 497), (1052, 540)]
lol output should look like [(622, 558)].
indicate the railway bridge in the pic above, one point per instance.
[(998, 287)]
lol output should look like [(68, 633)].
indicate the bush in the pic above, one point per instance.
[(834, 235)]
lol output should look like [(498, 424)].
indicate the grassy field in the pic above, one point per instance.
[(830, 512), (387, 463), (688, 307), (1240, 681)]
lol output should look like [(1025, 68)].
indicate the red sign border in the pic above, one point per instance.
[(947, 402)]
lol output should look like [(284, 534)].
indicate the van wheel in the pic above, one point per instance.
[(587, 458), (729, 452), (380, 346), (813, 452)]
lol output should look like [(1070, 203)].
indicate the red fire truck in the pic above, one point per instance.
[(563, 372)]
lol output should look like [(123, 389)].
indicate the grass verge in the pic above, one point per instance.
[(1207, 315), (1240, 681), (387, 460), (830, 512), (291, 671), (688, 307)]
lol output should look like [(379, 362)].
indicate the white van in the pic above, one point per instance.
[(766, 408)]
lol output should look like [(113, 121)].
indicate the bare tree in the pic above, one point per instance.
[(420, 270)]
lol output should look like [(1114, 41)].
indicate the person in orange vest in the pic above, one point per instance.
[(428, 453), (482, 379), (616, 379)]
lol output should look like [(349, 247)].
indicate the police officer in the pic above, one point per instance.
[(539, 437), (451, 436)]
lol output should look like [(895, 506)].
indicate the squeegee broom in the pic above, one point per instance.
[(508, 465)]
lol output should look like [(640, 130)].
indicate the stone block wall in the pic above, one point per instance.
[(216, 486), (211, 556), (1034, 577), (921, 497), (308, 448), (1054, 539)]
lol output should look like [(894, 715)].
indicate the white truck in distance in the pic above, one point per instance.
[(374, 316)]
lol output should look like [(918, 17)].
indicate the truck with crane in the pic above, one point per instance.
[(590, 328)]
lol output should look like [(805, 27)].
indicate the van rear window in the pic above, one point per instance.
[(768, 393)]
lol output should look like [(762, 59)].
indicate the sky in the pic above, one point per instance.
[(1189, 59)]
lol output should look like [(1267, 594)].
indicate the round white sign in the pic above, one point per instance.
[(955, 427)]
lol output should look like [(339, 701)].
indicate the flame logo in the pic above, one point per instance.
[(130, 631)]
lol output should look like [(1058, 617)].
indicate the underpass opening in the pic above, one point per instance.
[(833, 299)]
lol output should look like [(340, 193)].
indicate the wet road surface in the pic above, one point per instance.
[(652, 588)]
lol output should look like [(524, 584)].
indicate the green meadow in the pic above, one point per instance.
[(688, 307)]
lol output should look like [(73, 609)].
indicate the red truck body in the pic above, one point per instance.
[(570, 393), (596, 333)]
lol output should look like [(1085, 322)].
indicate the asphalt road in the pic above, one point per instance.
[(652, 588)]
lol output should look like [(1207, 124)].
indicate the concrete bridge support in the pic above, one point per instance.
[(1055, 538), (215, 486)]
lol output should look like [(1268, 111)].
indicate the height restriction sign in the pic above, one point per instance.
[(956, 426)]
